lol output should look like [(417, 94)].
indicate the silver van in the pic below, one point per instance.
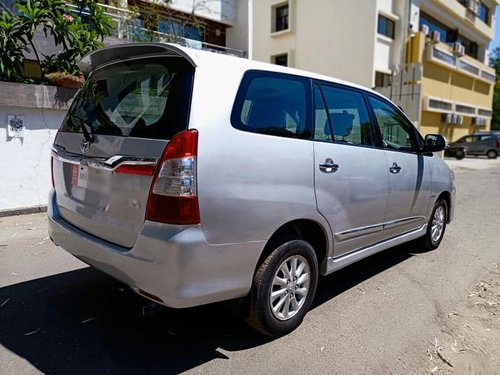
[(197, 177)]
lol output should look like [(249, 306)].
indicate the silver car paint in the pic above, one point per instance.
[(409, 190), (249, 185), (174, 263), (353, 197), (114, 212)]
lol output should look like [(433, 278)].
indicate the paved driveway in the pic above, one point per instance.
[(401, 311)]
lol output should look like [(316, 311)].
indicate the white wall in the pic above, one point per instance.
[(237, 34), (25, 162), (383, 54), (337, 38), (333, 37), (223, 11), (385, 6)]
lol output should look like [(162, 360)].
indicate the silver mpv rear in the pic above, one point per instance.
[(196, 177)]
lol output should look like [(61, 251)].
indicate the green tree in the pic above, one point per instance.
[(495, 63), (58, 20), (12, 46)]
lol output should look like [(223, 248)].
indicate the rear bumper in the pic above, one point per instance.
[(173, 263), (453, 151)]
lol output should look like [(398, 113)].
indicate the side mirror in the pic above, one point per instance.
[(434, 143)]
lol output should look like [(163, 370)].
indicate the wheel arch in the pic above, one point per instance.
[(306, 229), (446, 196), (491, 150)]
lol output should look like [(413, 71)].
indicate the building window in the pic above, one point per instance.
[(445, 33), (181, 30), (382, 79), (281, 15), (471, 48), (386, 26), (449, 36), (280, 60), (465, 109), (483, 13)]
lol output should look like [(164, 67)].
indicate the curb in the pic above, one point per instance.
[(23, 211)]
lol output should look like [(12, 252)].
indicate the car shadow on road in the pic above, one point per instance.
[(85, 322)]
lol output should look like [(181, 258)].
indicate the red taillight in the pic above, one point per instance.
[(173, 197), (498, 143)]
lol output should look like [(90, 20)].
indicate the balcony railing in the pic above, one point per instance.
[(439, 55), (490, 77), (443, 56), (128, 26), (468, 67), (446, 106)]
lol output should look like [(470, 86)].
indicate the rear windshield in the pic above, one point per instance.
[(147, 98)]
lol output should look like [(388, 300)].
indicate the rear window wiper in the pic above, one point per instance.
[(89, 137)]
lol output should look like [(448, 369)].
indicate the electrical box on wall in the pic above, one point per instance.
[(15, 126)]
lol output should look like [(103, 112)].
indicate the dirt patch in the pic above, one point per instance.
[(469, 341)]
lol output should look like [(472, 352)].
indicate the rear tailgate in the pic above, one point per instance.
[(116, 130)]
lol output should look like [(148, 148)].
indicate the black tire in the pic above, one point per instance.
[(491, 154), (459, 155), (429, 242), (260, 316)]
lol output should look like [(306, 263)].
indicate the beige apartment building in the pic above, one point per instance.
[(429, 56), (334, 37)]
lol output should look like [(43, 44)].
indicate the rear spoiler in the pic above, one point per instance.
[(121, 52)]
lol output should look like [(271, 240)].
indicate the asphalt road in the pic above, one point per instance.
[(402, 311)]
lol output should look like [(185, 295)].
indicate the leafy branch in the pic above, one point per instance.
[(79, 29)]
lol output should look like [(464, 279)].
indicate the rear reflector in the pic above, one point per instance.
[(173, 210), (149, 295), (143, 170), (173, 196)]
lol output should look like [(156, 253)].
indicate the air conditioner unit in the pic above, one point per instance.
[(435, 36), (479, 121), (473, 6), (424, 29), (458, 49), (447, 118)]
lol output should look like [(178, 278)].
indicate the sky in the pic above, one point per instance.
[(496, 40)]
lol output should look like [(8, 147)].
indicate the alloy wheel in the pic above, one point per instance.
[(290, 287), (438, 222)]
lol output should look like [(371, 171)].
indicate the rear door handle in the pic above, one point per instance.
[(395, 168), (328, 166)]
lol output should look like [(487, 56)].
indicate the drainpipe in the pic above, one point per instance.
[(250, 29)]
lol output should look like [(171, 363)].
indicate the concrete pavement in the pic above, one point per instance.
[(401, 312)]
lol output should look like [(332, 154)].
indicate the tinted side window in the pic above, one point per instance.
[(272, 103), (396, 133), (469, 139), (485, 138), (342, 117)]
